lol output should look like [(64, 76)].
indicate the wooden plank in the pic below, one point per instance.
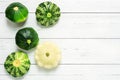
[(75, 77), (69, 26), (72, 72), (31, 77), (70, 5), (75, 51)]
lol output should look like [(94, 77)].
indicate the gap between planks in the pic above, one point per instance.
[(68, 38), (80, 12), (88, 64)]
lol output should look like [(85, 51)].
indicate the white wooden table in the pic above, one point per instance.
[(88, 34)]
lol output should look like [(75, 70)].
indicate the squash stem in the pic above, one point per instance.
[(49, 15), (47, 54), (16, 63), (29, 41), (15, 8)]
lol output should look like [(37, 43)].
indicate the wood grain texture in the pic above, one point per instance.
[(75, 51), (69, 26), (73, 77), (88, 34), (71, 72), (71, 6)]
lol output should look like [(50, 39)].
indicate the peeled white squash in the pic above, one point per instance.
[(48, 55)]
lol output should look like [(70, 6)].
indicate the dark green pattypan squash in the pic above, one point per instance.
[(27, 38), (16, 12)]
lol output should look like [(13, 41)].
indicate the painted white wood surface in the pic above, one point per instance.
[(87, 33), (75, 51), (70, 72), (72, 5), (69, 26)]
